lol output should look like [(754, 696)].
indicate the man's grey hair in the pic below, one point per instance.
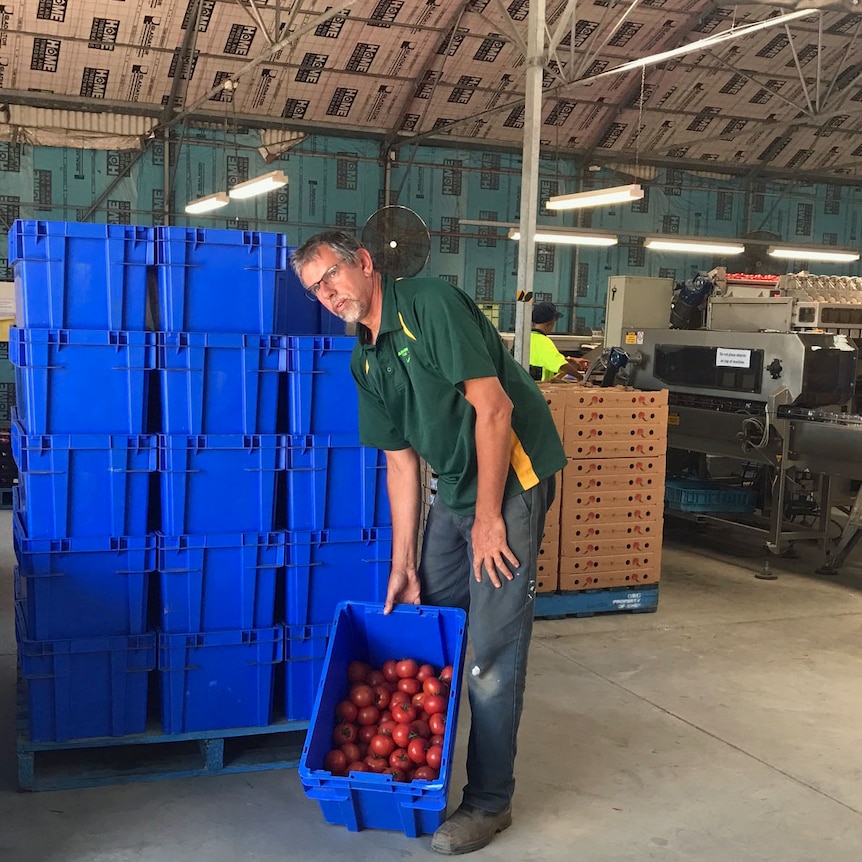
[(345, 246)]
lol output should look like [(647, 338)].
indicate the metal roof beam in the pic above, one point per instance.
[(250, 9)]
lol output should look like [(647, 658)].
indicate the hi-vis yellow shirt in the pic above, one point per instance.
[(545, 355), (411, 389)]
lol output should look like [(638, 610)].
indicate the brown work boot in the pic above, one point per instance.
[(469, 829)]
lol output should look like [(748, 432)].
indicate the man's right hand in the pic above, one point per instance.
[(403, 589)]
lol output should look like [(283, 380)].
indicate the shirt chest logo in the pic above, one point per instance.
[(404, 353)]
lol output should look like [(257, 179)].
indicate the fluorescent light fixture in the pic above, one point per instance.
[(569, 238), (597, 198), (208, 203), (821, 254), (259, 185), (693, 246)]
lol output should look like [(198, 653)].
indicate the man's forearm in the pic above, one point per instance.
[(493, 452), (402, 484)]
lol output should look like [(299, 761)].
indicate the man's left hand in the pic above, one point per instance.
[(491, 551)]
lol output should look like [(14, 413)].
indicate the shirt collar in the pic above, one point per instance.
[(388, 314)]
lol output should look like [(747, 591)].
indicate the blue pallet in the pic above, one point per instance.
[(220, 383), (216, 680), (82, 382), (85, 687), (367, 800), (84, 587), (218, 483), (218, 581), (304, 653), (588, 603), (323, 568), (83, 484), (214, 280), (70, 275), (320, 387), (333, 486), (701, 495)]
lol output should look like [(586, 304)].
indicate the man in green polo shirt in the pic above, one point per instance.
[(435, 380)]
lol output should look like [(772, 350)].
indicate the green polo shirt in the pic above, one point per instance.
[(411, 389)]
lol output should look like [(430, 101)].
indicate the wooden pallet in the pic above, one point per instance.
[(153, 755), (588, 603)]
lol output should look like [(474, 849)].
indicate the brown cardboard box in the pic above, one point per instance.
[(601, 516), (587, 466), (551, 536), (601, 448), (556, 397), (552, 516), (614, 396), (607, 432), (581, 415), (576, 499), (592, 547), (571, 582), (547, 566), (577, 533), (616, 482)]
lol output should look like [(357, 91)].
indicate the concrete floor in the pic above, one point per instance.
[(723, 727)]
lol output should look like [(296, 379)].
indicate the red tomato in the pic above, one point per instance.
[(366, 733), (406, 668), (336, 762), (418, 699), (368, 715), (385, 728), (410, 685), (421, 728), (434, 756), (385, 715), (425, 773), (397, 774), (382, 697), (363, 749), (357, 766), (399, 759), (402, 734), (374, 677), (389, 670), (382, 746), (437, 723), (351, 751), (343, 732), (445, 675), (362, 695), (398, 697), (357, 671), (433, 704), (375, 763), (436, 739), (432, 685), (424, 672), (347, 710), (404, 713), (417, 749)]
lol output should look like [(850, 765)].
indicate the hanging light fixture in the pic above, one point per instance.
[(259, 185), (825, 255), (694, 246), (563, 237), (597, 198), (207, 203)]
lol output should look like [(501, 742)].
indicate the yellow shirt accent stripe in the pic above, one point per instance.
[(522, 465), (407, 332), (366, 366)]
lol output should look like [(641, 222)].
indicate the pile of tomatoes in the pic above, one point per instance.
[(392, 721)]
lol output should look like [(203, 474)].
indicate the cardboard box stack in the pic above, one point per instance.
[(605, 528)]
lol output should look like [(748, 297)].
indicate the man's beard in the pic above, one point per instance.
[(352, 311)]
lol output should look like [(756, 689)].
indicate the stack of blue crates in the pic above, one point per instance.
[(194, 500), (225, 297), (338, 541), (83, 366)]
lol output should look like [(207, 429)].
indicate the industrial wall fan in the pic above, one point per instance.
[(397, 240)]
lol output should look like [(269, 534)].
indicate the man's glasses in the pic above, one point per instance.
[(325, 280)]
